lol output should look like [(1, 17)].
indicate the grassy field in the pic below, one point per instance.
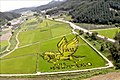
[(42, 32), (110, 33), (21, 64), (83, 50), (3, 45), (23, 59), (89, 26)]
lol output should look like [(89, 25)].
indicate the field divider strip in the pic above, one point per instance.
[(43, 41), (18, 56)]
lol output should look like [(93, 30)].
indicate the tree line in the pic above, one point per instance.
[(112, 48)]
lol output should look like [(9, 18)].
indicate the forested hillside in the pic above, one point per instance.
[(100, 12), (92, 11), (7, 16)]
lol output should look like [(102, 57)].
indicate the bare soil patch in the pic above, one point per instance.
[(109, 76), (5, 36)]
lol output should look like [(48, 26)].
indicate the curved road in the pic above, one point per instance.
[(79, 28)]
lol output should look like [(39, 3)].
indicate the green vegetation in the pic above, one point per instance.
[(83, 50), (20, 64), (44, 37), (110, 33), (89, 26), (65, 17), (3, 45), (13, 40), (7, 16), (100, 12), (33, 49), (110, 49), (46, 30), (91, 11)]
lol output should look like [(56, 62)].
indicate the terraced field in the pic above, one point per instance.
[(42, 32), (28, 57)]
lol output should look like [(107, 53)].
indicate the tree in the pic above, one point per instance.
[(102, 48), (115, 51), (117, 37), (26, 19), (87, 35), (8, 24), (81, 32), (35, 14), (94, 35), (116, 25)]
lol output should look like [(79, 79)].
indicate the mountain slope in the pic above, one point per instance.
[(7, 16), (99, 12), (50, 5), (22, 10), (91, 11)]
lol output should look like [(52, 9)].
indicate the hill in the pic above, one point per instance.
[(52, 4), (22, 10), (7, 16), (91, 11)]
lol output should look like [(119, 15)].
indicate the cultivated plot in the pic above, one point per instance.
[(38, 51), (110, 33)]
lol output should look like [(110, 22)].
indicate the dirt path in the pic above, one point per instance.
[(15, 46), (109, 76)]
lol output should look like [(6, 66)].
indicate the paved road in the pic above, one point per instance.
[(79, 28)]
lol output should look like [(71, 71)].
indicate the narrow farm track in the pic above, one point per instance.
[(15, 46), (18, 56), (44, 40), (7, 49)]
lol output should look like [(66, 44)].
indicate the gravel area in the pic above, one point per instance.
[(5, 36)]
